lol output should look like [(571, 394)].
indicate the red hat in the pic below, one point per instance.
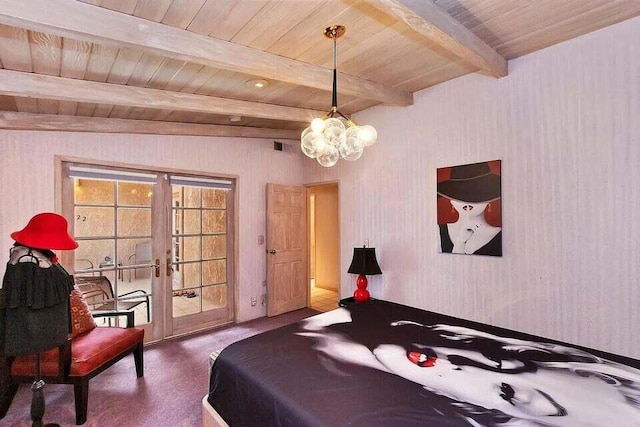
[(46, 230)]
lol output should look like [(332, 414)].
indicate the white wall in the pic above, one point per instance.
[(27, 181), (566, 124)]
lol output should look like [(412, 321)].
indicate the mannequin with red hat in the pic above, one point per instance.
[(34, 299)]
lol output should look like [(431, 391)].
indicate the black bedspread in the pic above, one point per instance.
[(384, 364)]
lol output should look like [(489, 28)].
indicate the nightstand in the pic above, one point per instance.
[(346, 302)]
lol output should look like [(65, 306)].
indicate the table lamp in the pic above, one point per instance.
[(364, 262)]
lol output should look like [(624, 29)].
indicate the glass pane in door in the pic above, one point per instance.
[(113, 229), (199, 249)]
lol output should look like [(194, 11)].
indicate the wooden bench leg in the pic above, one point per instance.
[(81, 393), (138, 357)]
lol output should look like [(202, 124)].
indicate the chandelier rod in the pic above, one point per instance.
[(334, 98)]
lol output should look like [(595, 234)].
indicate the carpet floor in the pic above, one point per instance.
[(176, 377)]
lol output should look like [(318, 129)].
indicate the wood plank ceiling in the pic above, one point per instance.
[(157, 66)]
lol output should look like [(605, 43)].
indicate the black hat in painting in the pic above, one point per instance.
[(473, 183)]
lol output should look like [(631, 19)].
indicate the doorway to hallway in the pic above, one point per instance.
[(324, 246)]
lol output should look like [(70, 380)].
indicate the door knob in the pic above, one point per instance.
[(156, 266), (272, 251), (169, 267)]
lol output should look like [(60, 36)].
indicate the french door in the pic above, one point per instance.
[(202, 253), (152, 242)]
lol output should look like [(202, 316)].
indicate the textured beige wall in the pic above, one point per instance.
[(566, 124), (27, 177)]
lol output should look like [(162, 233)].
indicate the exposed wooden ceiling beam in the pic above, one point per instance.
[(50, 122), (85, 22), (17, 83), (426, 18)]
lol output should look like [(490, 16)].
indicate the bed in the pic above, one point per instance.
[(379, 364)]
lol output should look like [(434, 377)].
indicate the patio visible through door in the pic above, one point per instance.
[(157, 244), (201, 252)]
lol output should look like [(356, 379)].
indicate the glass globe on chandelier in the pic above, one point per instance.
[(335, 135)]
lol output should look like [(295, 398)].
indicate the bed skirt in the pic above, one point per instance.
[(210, 418)]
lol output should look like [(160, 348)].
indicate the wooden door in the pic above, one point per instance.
[(287, 285)]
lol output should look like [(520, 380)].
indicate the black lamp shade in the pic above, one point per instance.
[(364, 262)]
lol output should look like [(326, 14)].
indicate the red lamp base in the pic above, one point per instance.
[(361, 294)]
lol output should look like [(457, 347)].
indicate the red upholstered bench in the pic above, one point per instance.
[(76, 362)]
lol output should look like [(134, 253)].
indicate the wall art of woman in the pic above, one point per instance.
[(469, 209)]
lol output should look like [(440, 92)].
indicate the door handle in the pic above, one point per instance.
[(272, 251), (157, 267), (169, 267)]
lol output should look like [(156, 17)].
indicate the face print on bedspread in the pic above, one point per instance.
[(488, 376)]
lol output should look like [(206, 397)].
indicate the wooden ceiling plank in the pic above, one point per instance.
[(100, 62), (573, 24), (8, 103), (303, 36), (434, 76), (77, 20), (515, 19), (428, 19), (215, 82), (380, 55), (46, 53), (160, 115), (119, 112), (124, 65), (46, 56), (132, 113), (405, 63), (75, 58), (185, 75), (48, 106), (144, 70), (46, 122), (153, 10), (124, 6), (15, 53), (165, 73), (181, 12), (16, 83), (27, 105), (477, 15), (363, 21), (103, 110), (236, 19), (356, 105), (177, 83), (211, 14), (200, 79), (291, 92), (273, 21), (85, 109)]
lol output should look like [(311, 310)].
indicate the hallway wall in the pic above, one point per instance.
[(327, 229)]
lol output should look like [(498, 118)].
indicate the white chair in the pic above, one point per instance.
[(142, 255)]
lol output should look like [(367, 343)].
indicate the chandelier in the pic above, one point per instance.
[(335, 135)]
